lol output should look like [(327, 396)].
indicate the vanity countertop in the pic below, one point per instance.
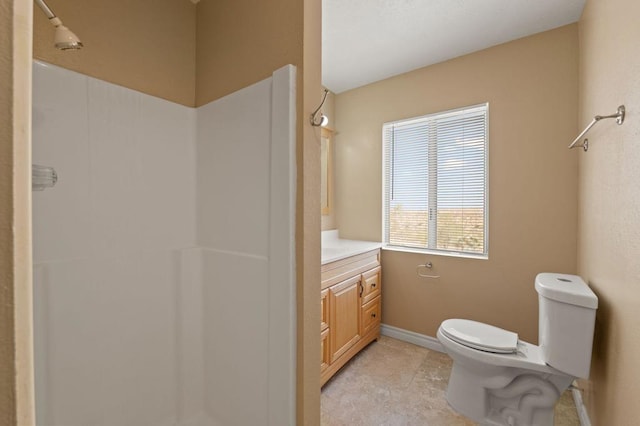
[(335, 248)]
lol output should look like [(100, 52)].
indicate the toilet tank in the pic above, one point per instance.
[(567, 311)]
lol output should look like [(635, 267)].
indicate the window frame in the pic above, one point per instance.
[(385, 193)]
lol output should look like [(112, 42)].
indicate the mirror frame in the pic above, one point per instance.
[(327, 137)]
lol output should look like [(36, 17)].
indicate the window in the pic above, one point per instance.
[(435, 182)]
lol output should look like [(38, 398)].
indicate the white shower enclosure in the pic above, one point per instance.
[(164, 281)]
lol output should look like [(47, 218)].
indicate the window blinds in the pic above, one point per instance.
[(436, 181)]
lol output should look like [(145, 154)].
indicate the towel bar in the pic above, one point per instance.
[(619, 116)]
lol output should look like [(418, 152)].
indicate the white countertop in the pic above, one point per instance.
[(335, 248)]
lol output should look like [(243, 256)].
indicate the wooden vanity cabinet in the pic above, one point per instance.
[(371, 281), (325, 355), (324, 309), (344, 316), (371, 316), (350, 309)]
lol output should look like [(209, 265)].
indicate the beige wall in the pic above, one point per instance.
[(531, 86), (241, 42), (16, 360), (145, 45), (609, 205), (7, 320), (308, 221)]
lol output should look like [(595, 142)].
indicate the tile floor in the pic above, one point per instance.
[(392, 383)]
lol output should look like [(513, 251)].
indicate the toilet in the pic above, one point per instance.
[(498, 379)]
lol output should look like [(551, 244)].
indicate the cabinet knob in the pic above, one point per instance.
[(373, 315), (373, 285)]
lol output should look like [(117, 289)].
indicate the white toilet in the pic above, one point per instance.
[(498, 379)]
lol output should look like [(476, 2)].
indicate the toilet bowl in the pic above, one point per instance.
[(498, 379), (489, 385)]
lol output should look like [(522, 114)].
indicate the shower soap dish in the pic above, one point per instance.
[(43, 177)]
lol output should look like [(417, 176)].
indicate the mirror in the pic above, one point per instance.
[(326, 169)]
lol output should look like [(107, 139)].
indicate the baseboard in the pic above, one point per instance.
[(411, 337), (583, 416)]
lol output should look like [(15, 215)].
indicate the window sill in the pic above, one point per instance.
[(436, 252)]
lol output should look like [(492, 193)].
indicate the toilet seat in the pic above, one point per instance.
[(480, 336)]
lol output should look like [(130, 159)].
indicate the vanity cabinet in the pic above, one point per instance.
[(351, 291), (344, 317), (325, 355), (371, 284), (371, 316)]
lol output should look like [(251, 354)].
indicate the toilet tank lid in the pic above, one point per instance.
[(566, 288)]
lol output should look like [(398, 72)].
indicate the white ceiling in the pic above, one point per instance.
[(369, 40)]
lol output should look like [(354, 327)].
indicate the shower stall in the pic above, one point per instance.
[(164, 288)]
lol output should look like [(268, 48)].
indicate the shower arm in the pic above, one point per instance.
[(55, 21), (46, 9), (53, 18)]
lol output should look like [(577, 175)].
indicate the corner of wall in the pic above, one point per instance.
[(608, 222), (16, 325)]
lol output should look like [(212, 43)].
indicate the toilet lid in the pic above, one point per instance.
[(480, 336)]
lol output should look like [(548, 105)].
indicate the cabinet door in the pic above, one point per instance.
[(325, 351), (344, 321), (324, 309), (372, 282)]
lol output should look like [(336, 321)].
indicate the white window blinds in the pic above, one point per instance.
[(435, 181)]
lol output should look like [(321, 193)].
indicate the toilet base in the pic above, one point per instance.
[(505, 396)]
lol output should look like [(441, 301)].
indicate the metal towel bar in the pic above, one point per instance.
[(427, 265), (619, 116)]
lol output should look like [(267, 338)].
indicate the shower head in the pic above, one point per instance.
[(64, 38)]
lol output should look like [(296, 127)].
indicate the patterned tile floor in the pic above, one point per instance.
[(394, 383)]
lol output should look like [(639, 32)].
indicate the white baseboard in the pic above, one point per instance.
[(583, 416), (411, 337)]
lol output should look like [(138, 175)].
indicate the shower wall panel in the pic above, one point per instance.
[(234, 143), (164, 279), (233, 219), (113, 254), (246, 199)]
